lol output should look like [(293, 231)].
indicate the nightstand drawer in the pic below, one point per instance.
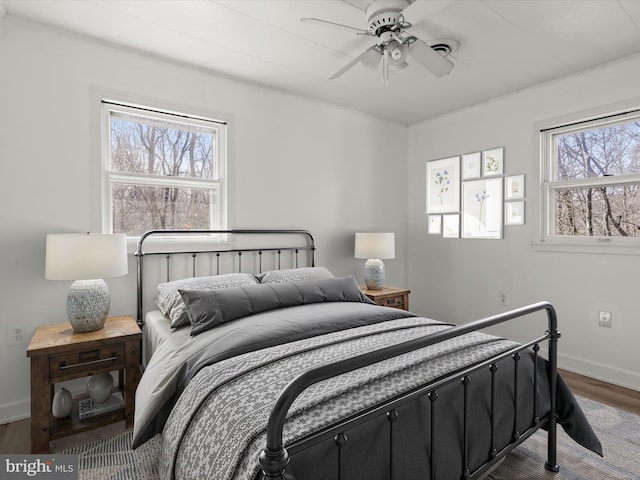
[(396, 302), (98, 358)]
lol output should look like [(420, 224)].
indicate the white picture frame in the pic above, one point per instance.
[(471, 165), (514, 213), (434, 224), (443, 185), (493, 162), (451, 225), (514, 187), (482, 208)]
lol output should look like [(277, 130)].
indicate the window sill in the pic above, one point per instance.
[(599, 247)]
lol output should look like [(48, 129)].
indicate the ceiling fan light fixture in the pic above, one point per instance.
[(397, 53)]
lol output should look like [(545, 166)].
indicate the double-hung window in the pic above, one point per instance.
[(161, 170), (591, 182)]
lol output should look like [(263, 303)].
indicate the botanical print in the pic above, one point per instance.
[(493, 162), (434, 224), (514, 187), (482, 207), (514, 213), (480, 198), (451, 225), (471, 165), (443, 185)]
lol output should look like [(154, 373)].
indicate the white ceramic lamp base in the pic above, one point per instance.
[(374, 274), (88, 303)]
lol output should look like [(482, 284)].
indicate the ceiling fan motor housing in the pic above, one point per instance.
[(384, 14)]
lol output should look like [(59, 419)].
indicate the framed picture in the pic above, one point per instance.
[(471, 165), (434, 224), (443, 185), (514, 187), (451, 225), (482, 208), (514, 213), (493, 162)]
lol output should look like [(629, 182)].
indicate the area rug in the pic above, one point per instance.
[(619, 432)]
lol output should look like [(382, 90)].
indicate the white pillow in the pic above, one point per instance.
[(170, 302), (295, 274)]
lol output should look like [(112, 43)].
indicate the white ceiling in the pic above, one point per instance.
[(505, 45)]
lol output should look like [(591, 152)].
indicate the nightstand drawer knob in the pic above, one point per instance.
[(112, 358)]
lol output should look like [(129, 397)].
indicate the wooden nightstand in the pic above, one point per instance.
[(58, 354), (389, 296)]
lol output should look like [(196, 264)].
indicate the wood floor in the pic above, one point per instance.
[(15, 437)]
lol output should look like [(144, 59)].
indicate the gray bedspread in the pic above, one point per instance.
[(174, 363), (217, 428)]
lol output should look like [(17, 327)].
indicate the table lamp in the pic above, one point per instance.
[(86, 258), (374, 247)]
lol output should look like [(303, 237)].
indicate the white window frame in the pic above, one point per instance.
[(219, 216), (546, 133)]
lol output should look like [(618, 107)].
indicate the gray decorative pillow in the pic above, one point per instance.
[(170, 302), (294, 275), (209, 308)]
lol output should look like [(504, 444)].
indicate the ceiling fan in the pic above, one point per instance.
[(395, 45)]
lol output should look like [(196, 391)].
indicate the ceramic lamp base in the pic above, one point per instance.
[(88, 303), (374, 274)]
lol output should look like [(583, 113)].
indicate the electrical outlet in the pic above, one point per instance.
[(604, 319), (503, 299), (16, 335)]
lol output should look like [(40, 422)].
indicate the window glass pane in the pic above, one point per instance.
[(599, 152), (160, 148), (137, 208), (612, 211)]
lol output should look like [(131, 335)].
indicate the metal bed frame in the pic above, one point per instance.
[(275, 457), (305, 239)]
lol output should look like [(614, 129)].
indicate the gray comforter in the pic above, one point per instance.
[(174, 364)]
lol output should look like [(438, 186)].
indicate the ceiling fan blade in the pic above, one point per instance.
[(430, 59), (417, 11), (317, 21), (365, 57), (371, 58)]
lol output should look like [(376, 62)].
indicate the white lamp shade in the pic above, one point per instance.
[(375, 245), (85, 256)]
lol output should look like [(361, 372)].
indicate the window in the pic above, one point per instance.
[(161, 170), (591, 181)]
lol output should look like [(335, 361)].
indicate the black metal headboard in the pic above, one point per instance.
[(216, 244)]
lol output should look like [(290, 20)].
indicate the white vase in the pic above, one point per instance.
[(62, 403), (99, 387)]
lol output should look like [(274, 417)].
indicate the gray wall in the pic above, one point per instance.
[(459, 279), (295, 163)]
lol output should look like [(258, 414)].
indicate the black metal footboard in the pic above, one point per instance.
[(275, 458)]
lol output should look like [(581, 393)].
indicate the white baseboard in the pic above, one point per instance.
[(13, 412), (605, 373)]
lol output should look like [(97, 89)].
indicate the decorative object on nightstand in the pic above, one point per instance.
[(374, 247), (99, 387), (86, 258), (62, 404)]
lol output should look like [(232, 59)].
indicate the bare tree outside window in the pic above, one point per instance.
[(163, 173), (594, 184)]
